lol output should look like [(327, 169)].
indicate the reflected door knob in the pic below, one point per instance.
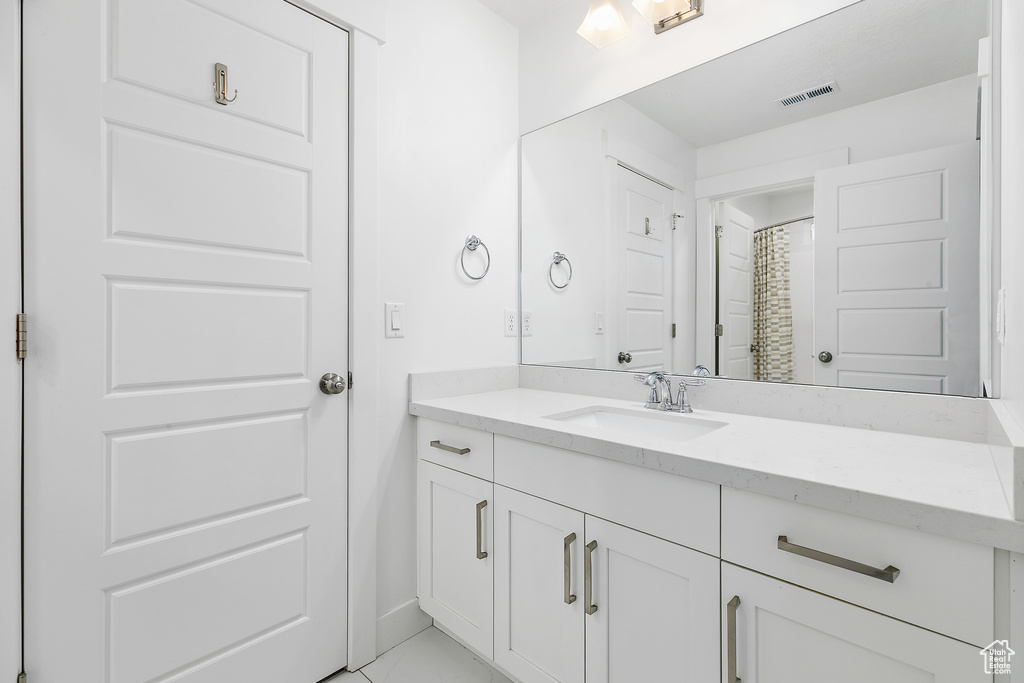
[(825, 357), (625, 357), (332, 383)]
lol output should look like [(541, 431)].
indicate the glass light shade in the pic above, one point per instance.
[(604, 23), (654, 11)]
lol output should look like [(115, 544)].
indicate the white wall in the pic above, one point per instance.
[(560, 73), (942, 114), (1012, 203), (568, 178), (448, 168)]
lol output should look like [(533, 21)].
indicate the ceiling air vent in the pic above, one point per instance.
[(805, 95)]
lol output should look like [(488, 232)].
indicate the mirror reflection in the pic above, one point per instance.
[(813, 208)]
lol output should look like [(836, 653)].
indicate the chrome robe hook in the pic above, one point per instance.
[(220, 84)]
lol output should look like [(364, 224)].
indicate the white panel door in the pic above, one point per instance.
[(186, 276), (736, 292), (787, 634), (896, 272), (642, 239), (538, 633), (657, 609), (455, 539)]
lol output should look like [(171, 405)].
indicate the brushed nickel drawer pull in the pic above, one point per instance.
[(730, 624), (888, 574), (566, 542), (588, 577), (450, 449), (480, 552)]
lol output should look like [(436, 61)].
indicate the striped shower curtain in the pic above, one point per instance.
[(773, 312)]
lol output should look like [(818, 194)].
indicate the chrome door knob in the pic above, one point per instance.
[(625, 357), (825, 357), (332, 383)]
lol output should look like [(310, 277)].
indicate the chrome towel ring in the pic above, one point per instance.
[(472, 242), (555, 260)]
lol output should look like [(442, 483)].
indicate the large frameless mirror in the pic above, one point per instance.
[(814, 208)]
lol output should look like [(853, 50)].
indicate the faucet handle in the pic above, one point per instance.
[(691, 381)]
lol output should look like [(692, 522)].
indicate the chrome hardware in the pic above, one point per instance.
[(588, 577), (220, 84), (480, 552), (825, 357), (681, 17), (660, 397), (647, 226), (730, 621), (473, 243), (332, 383), (450, 449), (566, 542), (701, 371), (888, 574), (625, 357), (21, 336), (557, 258)]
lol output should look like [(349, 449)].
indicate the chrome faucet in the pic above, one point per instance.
[(660, 396)]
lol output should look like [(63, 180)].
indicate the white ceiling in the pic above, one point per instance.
[(873, 49), (521, 13)]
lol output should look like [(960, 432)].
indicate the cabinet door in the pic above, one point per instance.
[(787, 634), (455, 584), (657, 609), (538, 633)]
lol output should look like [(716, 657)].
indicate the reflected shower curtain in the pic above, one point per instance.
[(773, 312)]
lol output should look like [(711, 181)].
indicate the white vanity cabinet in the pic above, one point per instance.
[(787, 634), (893, 590), (455, 555)]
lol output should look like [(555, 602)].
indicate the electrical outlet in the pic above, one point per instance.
[(527, 323), (510, 322)]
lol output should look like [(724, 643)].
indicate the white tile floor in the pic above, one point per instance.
[(428, 657)]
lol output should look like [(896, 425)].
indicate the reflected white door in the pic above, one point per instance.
[(642, 240), (896, 272), (736, 292), (186, 280)]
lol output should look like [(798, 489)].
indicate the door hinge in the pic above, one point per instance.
[(21, 336), (673, 330), (23, 677), (718, 231), (676, 217), (719, 331), (350, 380)]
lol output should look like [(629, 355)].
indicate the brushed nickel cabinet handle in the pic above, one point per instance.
[(566, 542), (730, 625), (450, 449), (588, 577), (480, 552), (888, 574)]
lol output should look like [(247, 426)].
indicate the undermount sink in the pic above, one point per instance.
[(659, 425)]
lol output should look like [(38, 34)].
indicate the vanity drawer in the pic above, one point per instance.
[(943, 584), (677, 509), (460, 448)]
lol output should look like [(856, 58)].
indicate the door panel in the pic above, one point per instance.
[(736, 292), (185, 265), (656, 617), (642, 238), (896, 261), (538, 638)]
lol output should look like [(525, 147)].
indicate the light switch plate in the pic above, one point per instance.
[(394, 320), (598, 323)]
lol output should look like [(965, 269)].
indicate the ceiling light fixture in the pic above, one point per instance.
[(666, 14), (604, 23)]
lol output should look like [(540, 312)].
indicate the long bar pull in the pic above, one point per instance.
[(450, 449), (888, 574), (588, 577), (566, 542), (480, 552), (730, 625)]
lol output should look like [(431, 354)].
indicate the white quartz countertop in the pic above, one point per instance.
[(940, 486)]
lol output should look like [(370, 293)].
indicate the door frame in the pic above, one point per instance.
[(707, 191), (366, 27)]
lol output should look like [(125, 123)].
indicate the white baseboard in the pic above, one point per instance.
[(400, 624)]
